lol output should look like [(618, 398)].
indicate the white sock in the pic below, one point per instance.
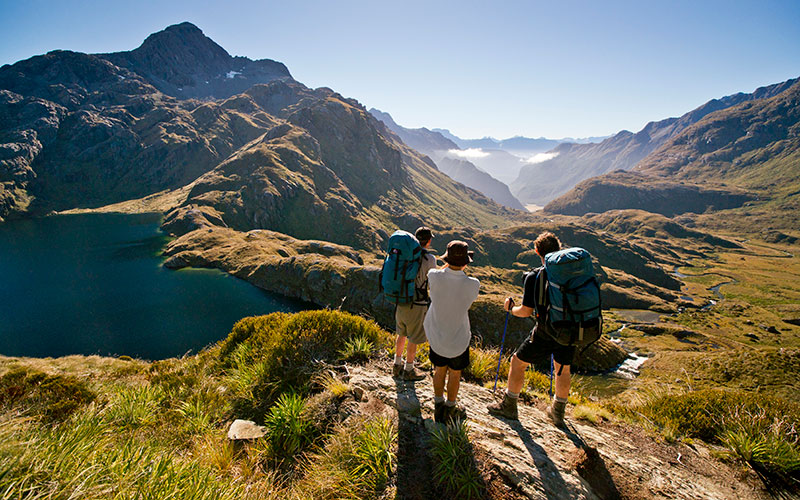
[(561, 400), (409, 366), (512, 395), (398, 360), (449, 403), (438, 399)]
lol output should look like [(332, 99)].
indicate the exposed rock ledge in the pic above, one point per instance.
[(337, 276), (539, 461)]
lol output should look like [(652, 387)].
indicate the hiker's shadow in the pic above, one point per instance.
[(554, 484), (587, 462), (411, 456)]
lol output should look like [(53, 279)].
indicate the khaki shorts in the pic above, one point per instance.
[(409, 322)]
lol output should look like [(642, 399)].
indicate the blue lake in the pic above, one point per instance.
[(95, 284)]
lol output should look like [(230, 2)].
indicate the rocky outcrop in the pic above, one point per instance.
[(536, 460)]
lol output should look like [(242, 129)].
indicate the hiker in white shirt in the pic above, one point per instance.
[(447, 327)]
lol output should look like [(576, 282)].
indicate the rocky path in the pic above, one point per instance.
[(533, 459)]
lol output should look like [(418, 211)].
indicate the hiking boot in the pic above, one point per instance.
[(413, 374), (397, 370), (506, 408), (439, 410), (453, 413), (556, 412)]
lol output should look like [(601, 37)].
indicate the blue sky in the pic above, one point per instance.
[(554, 69)]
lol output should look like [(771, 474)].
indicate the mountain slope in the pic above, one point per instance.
[(545, 181)]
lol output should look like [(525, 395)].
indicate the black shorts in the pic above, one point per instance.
[(541, 345), (458, 363)]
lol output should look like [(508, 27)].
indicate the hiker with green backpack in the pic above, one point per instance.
[(404, 281), (564, 296)]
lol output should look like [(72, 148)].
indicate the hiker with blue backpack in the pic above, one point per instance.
[(404, 281), (564, 297)]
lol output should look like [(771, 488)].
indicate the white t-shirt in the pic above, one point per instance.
[(447, 322)]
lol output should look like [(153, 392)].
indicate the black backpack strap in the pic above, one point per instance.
[(540, 288)]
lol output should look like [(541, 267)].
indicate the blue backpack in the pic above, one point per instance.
[(568, 298), (400, 268)]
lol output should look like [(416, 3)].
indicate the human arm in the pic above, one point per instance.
[(520, 311)]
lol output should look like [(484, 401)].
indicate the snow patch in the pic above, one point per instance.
[(232, 74)]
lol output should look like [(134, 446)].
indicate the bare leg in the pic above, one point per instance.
[(411, 352), (399, 345), (453, 383), (562, 381), (516, 376), (439, 374)]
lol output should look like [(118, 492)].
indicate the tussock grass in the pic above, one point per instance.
[(455, 468), (483, 365), (761, 430), (330, 382), (591, 413), (357, 350), (355, 463), (288, 429), (88, 457)]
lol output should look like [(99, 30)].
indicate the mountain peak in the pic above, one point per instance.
[(183, 62), (184, 40)]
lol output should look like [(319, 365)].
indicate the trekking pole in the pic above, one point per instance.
[(551, 374), (500, 358)]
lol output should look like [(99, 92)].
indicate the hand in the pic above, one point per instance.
[(509, 303)]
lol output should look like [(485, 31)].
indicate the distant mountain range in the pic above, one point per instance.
[(441, 150), (571, 163), (743, 148), (520, 146)]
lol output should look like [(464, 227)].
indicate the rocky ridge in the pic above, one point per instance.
[(533, 459)]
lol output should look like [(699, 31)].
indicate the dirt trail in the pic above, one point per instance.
[(533, 459)]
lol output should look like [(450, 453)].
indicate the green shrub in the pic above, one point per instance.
[(288, 430), (280, 352), (454, 462), (255, 329), (53, 398)]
